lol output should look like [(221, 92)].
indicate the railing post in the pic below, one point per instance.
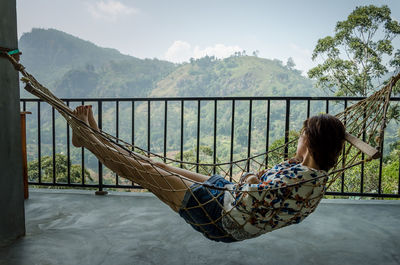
[(100, 124), (116, 133), (53, 141), (133, 127), (24, 159), (82, 159), (232, 139), (286, 154), (148, 128), (165, 129), (344, 152), (198, 137), (215, 137), (267, 133), (182, 117), (249, 134), (39, 145), (68, 153)]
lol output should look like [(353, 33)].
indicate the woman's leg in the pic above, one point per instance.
[(168, 185), (183, 172), (180, 171)]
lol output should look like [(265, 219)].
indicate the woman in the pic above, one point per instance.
[(222, 210)]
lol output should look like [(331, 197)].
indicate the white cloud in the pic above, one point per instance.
[(301, 57), (218, 50), (178, 52), (181, 51), (110, 10)]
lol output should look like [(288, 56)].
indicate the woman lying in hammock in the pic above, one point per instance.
[(226, 211)]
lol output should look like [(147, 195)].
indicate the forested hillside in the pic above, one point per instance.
[(234, 76), (72, 67)]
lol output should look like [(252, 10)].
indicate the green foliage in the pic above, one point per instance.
[(61, 170), (49, 53), (76, 68), (278, 147), (370, 175), (290, 63), (205, 156), (390, 173), (72, 67), (359, 53), (77, 82), (234, 76)]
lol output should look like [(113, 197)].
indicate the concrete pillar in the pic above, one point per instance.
[(12, 217)]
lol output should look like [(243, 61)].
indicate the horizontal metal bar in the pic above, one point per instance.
[(207, 99), (80, 185), (377, 195)]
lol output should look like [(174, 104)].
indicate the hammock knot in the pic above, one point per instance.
[(29, 88), (13, 55)]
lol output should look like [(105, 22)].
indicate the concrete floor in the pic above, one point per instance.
[(77, 227)]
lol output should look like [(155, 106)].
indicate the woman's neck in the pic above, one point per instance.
[(309, 161)]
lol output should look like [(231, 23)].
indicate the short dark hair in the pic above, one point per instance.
[(324, 138)]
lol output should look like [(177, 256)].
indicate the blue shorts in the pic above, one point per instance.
[(206, 218)]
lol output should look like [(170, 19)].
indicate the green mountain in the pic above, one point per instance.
[(72, 67), (234, 76)]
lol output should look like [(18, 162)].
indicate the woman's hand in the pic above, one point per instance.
[(250, 178)]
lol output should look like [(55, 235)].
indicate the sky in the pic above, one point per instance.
[(176, 30)]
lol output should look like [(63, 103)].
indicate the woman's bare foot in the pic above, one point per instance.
[(92, 120), (82, 113)]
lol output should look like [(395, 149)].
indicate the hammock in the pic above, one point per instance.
[(364, 120)]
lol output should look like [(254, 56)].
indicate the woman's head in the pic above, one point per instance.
[(323, 136)]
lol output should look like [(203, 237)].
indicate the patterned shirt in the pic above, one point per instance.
[(255, 209)]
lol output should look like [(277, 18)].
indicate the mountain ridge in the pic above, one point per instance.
[(73, 67)]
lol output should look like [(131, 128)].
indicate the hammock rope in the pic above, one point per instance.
[(366, 119)]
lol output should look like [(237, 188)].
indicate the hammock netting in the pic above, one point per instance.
[(365, 120)]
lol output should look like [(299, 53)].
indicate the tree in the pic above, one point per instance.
[(290, 63), (277, 149), (61, 163), (205, 157), (255, 53), (359, 54)]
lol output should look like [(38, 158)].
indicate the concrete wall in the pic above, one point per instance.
[(12, 219)]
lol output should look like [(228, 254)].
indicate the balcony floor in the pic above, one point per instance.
[(77, 227)]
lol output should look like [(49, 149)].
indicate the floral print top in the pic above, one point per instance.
[(255, 209)]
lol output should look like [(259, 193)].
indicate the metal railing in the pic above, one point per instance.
[(324, 102)]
